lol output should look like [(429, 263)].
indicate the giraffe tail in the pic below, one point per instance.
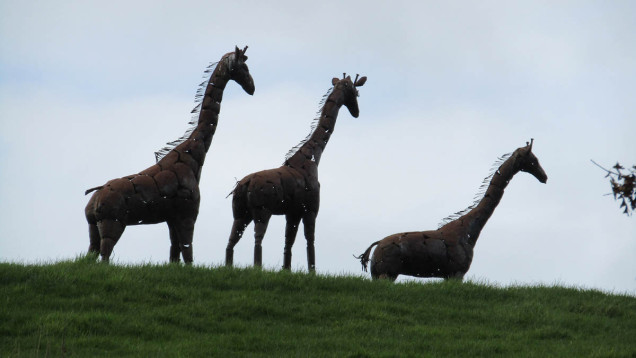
[(364, 258), (93, 189), (233, 189)]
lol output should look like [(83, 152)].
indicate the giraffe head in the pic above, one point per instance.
[(238, 69), (349, 91), (528, 162)]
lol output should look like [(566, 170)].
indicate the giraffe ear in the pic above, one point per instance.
[(529, 145), (361, 81), (334, 81)]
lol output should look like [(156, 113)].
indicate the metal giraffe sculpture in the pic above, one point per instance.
[(169, 190), (448, 251), (293, 189)]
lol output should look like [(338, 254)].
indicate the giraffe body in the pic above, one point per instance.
[(293, 189), (167, 191), (448, 251)]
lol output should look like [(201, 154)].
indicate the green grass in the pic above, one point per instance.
[(82, 308)]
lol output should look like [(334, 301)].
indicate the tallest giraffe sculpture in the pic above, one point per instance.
[(169, 190), (293, 189)]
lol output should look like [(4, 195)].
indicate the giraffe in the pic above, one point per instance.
[(448, 251), (168, 191), (293, 189)]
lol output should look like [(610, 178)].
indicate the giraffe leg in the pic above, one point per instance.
[(110, 231), (386, 264), (457, 276), (238, 227), (385, 276), (106, 248), (93, 229), (291, 229), (175, 251), (93, 232), (183, 229), (259, 232), (309, 224)]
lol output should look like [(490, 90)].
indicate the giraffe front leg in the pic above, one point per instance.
[(309, 224), (291, 229), (184, 232), (238, 227), (175, 251)]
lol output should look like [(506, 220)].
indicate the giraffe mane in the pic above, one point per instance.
[(480, 193), (194, 119), (314, 124)]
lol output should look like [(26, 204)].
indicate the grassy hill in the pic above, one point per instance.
[(81, 308)]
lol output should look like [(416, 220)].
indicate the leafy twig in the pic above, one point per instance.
[(623, 186)]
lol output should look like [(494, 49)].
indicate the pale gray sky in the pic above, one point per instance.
[(89, 90)]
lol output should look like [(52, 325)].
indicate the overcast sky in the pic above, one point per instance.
[(90, 90)]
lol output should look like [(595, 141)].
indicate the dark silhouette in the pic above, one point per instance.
[(293, 189), (623, 186), (169, 190), (448, 251)]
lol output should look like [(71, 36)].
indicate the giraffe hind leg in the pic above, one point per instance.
[(385, 276), (259, 233), (110, 231), (93, 229), (291, 229), (95, 239), (457, 276), (238, 227)]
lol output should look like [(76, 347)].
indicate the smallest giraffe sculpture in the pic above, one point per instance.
[(448, 251)]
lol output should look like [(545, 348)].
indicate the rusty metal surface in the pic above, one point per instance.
[(293, 189), (169, 190), (448, 251)]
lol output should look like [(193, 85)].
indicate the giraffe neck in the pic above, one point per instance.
[(211, 106), (475, 220), (314, 145), (193, 149)]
